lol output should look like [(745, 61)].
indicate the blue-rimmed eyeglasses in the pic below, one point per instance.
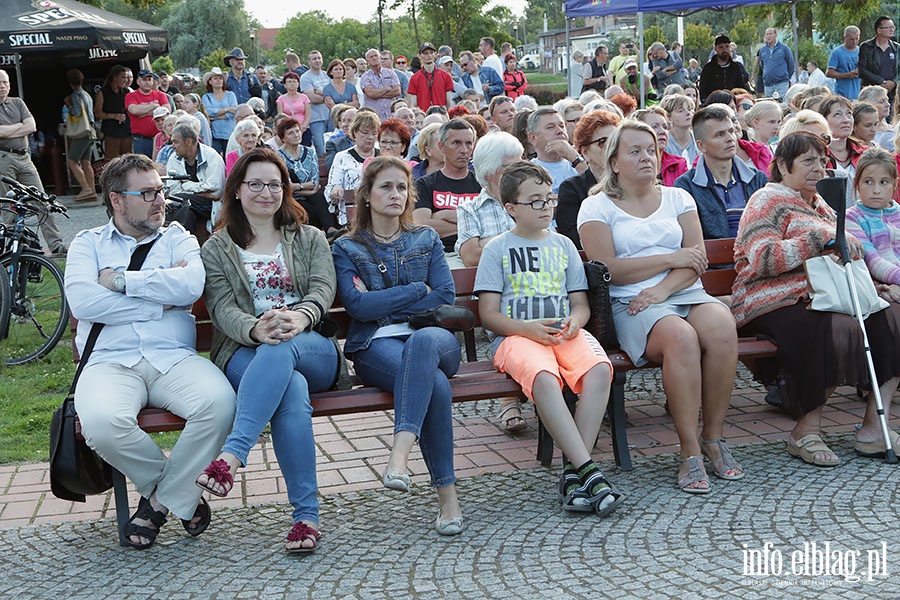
[(146, 195)]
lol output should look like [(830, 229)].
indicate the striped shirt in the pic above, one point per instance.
[(778, 232)]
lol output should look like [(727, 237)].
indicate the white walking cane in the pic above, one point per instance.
[(834, 191)]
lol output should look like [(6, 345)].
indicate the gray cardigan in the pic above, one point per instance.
[(227, 292)]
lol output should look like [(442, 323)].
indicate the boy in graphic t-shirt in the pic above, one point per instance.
[(531, 297)]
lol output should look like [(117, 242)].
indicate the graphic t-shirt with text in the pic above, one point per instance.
[(533, 277), (439, 192)]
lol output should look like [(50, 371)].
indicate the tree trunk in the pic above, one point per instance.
[(412, 14)]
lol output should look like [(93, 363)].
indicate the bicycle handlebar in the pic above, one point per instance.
[(48, 201)]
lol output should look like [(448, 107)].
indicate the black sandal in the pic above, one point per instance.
[(144, 511), (203, 513)]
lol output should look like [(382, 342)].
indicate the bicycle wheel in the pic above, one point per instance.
[(4, 305), (38, 309)]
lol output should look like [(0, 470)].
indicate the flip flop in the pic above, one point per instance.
[(203, 513), (807, 447)]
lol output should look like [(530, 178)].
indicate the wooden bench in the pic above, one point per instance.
[(476, 380)]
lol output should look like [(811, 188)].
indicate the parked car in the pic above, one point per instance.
[(530, 61)]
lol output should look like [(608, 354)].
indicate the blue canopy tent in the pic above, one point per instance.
[(679, 8)]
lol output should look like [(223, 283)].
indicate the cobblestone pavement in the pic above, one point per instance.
[(518, 544)]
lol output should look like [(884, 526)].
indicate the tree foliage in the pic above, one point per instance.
[(654, 33), (163, 63), (216, 58), (198, 27), (317, 31), (745, 34), (698, 39)]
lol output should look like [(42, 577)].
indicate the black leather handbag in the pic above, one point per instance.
[(76, 470), (448, 316), (601, 324)]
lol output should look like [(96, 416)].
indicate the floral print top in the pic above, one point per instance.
[(270, 282)]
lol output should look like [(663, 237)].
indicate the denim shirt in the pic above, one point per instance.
[(411, 261)]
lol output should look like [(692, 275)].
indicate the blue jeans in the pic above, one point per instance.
[(273, 384), (142, 145), (416, 370), (220, 145), (318, 129), (781, 88)]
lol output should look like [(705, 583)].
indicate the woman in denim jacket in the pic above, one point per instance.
[(387, 269)]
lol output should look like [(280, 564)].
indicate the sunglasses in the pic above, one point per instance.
[(401, 62)]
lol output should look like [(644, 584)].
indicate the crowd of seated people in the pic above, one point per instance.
[(405, 189)]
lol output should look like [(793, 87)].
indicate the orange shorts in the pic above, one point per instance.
[(523, 359)]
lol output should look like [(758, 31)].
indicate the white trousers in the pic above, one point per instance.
[(108, 398)]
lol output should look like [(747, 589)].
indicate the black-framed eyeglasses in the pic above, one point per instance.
[(146, 195), (541, 204), (391, 143), (601, 142), (275, 187)]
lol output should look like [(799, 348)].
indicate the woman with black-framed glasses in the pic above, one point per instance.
[(591, 134), (269, 281)]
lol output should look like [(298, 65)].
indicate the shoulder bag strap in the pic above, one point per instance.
[(137, 261)]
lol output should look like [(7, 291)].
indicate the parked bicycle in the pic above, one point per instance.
[(33, 307)]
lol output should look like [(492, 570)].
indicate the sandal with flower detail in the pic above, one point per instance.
[(725, 467), (696, 474), (218, 472), (301, 532)]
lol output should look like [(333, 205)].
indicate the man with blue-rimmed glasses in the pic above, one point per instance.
[(145, 354)]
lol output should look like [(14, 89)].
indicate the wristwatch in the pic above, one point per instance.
[(577, 161), (119, 282)]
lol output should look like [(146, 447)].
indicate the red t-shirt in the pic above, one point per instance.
[(144, 125), (430, 89)]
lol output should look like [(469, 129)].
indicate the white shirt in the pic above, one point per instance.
[(137, 324), (817, 77), (493, 61), (634, 237)]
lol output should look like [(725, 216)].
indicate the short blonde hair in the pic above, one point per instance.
[(427, 137), (800, 120), (364, 119)]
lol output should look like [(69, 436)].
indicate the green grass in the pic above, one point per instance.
[(28, 396), (545, 78)]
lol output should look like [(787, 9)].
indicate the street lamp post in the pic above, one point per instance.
[(516, 33)]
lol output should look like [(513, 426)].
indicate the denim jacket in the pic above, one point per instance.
[(410, 262)]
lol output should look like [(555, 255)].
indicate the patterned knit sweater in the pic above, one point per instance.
[(777, 233), (879, 231)]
